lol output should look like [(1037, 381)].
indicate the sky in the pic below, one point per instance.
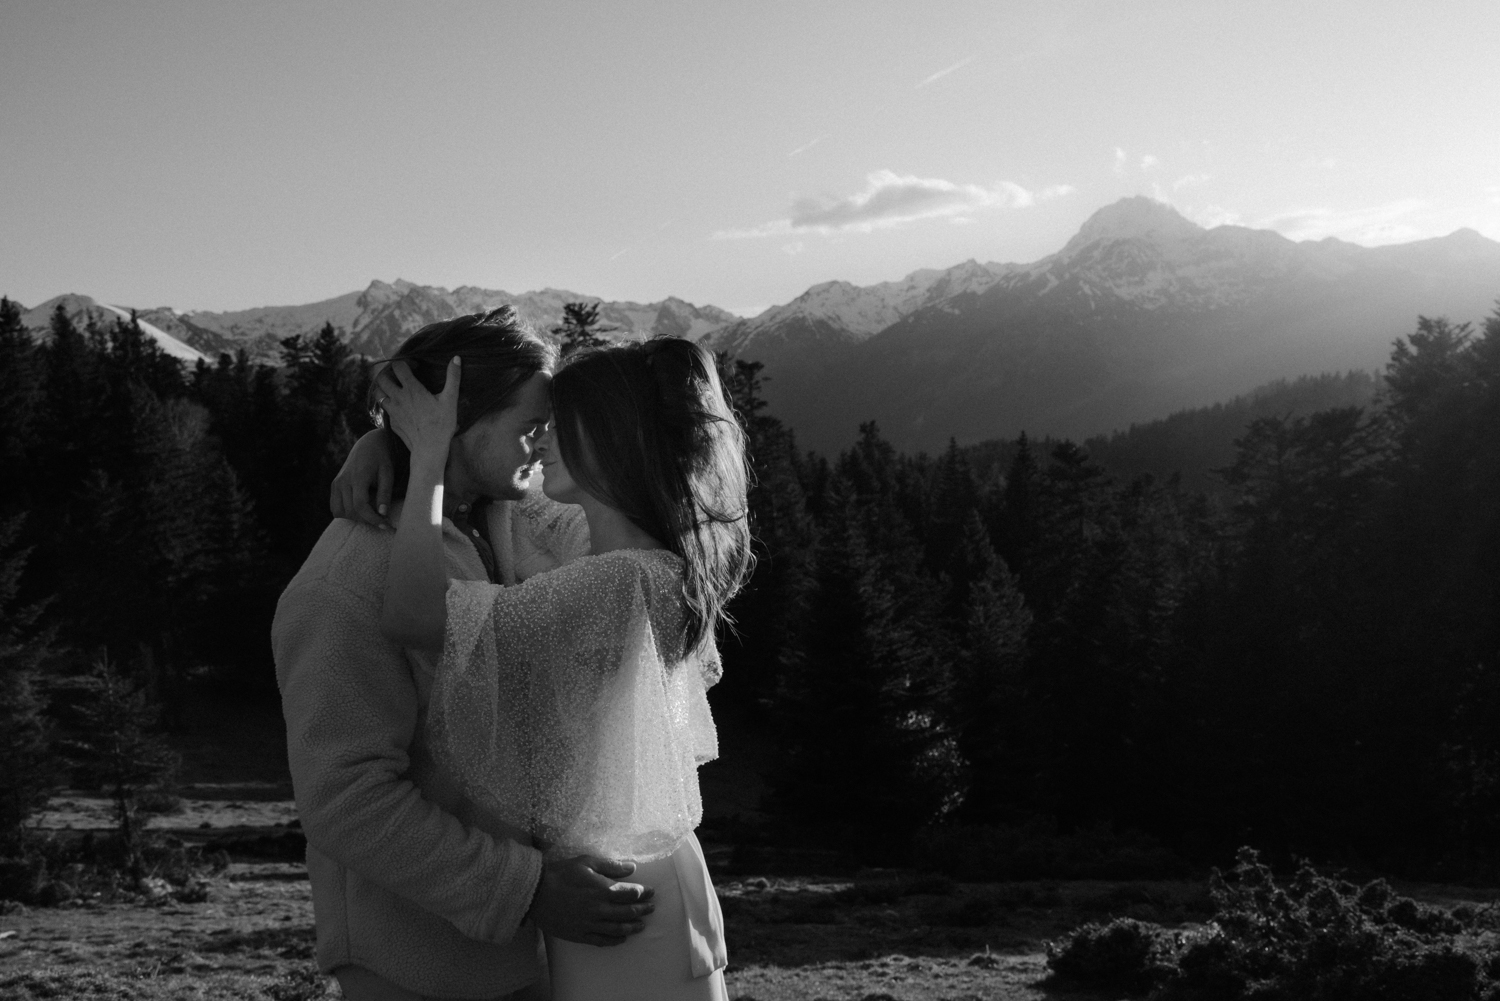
[(218, 155)]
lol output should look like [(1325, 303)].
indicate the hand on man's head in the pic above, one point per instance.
[(580, 899)]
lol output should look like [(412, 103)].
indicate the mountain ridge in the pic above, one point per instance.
[(377, 318), (1140, 313)]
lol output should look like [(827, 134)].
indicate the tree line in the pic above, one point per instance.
[(1311, 665), (150, 515), (935, 642)]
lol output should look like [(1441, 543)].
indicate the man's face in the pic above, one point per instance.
[(495, 458)]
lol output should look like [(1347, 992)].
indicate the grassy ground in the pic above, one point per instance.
[(878, 935)]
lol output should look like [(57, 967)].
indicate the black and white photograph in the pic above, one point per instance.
[(598, 500)]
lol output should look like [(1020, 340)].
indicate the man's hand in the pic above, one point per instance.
[(362, 489), (580, 900)]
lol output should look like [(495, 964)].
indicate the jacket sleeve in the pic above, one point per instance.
[(351, 709)]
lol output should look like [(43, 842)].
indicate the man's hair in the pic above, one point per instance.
[(499, 356)]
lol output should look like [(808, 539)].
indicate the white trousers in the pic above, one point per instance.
[(680, 956)]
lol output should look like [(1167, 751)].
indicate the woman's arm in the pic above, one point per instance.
[(416, 583), (362, 489)]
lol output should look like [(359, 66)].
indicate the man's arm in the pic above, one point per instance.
[(351, 710)]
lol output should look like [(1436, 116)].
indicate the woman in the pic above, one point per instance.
[(573, 704)]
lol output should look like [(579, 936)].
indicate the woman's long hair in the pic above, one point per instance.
[(646, 428)]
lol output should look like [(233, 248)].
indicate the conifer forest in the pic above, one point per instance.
[(958, 659)]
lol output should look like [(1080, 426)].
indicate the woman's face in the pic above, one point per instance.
[(557, 482)]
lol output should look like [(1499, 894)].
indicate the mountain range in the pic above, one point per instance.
[(375, 320), (1142, 313)]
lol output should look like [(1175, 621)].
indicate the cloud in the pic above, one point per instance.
[(942, 73), (1493, 191), (794, 248), (1148, 161), (892, 199), (803, 149), (1189, 181), (1370, 225), (1210, 216), (1119, 160)]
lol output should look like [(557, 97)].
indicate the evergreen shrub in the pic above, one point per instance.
[(1313, 936), (1123, 955)]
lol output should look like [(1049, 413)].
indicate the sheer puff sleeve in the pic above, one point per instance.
[(560, 705)]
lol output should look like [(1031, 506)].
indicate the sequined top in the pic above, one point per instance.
[(567, 705)]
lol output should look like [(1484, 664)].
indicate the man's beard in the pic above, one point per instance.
[(518, 485)]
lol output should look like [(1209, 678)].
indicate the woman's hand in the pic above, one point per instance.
[(415, 610), (362, 489), (424, 422)]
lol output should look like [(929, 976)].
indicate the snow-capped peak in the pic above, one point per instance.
[(1138, 218), (857, 312), (164, 340), (81, 309)]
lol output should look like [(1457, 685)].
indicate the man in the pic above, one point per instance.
[(416, 891)]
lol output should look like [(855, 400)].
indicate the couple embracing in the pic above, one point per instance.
[(495, 712)]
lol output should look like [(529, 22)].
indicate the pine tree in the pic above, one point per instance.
[(955, 497), (992, 714), (581, 329), (315, 430), (1013, 515), (866, 743), (769, 611), (118, 750), (28, 768), (69, 431), (21, 388), (136, 358), (248, 421)]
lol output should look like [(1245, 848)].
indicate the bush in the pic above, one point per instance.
[(1124, 955), (1314, 936), (1323, 937)]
